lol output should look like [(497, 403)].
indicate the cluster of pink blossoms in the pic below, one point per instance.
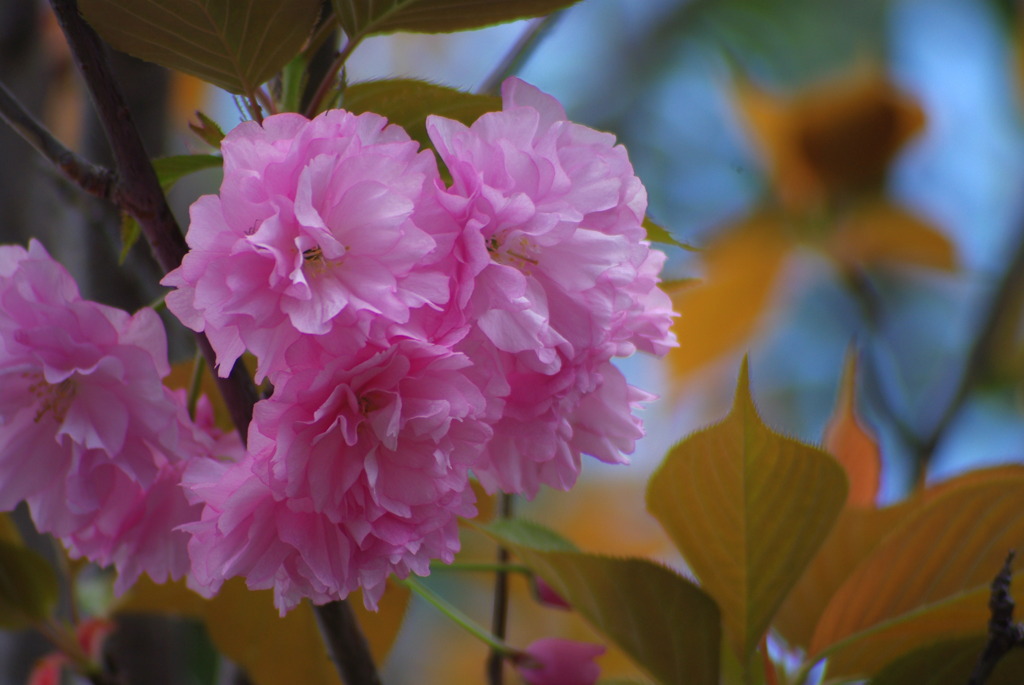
[(415, 335), (89, 435)]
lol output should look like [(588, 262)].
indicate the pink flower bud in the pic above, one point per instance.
[(48, 670), (555, 661), (91, 634), (546, 595)]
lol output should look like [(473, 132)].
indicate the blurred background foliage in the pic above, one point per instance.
[(850, 172)]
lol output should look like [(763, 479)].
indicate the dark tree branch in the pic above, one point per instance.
[(1003, 633), (137, 189), (91, 178), (499, 612), (347, 644)]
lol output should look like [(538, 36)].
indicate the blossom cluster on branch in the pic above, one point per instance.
[(415, 334)]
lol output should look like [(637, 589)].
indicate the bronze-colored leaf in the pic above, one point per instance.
[(928, 579), (234, 44), (367, 17)]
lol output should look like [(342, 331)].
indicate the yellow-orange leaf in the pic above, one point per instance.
[(881, 232), (856, 533), (724, 310), (831, 141), (748, 508), (927, 579), (868, 652), (381, 627), (852, 443), (245, 627)]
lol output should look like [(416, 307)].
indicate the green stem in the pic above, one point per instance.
[(532, 37), (159, 304), (483, 567), (465, 622)]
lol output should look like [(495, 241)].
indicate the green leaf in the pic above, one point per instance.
[(657, 234), (234, 44), (408, 103), (131, 231), (529, 534), (169, 170), (367, 17), (928, 579), (207, 129), (855, 534), (28, 586), (748, 508), (667, 625)]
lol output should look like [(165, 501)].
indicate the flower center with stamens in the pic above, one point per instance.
[(314, 261), (518, 252), (52, 398)]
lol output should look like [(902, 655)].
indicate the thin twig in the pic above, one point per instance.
[(1003, 633), (924, 443), (521, 51), (347, 644), (980, 352), (93, 179), (137, 189), (499, 613)]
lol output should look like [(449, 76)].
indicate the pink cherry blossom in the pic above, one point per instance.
[(549, 421), (320, 226), (557, 661), (553, 229), (563, 280), (89, 436), (358, 469), (414, 333)]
